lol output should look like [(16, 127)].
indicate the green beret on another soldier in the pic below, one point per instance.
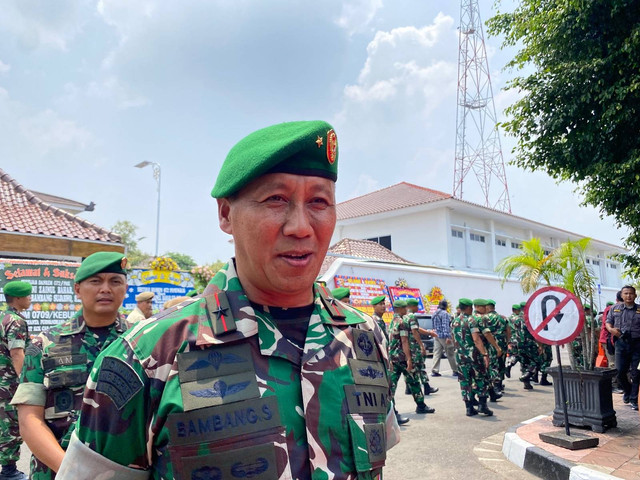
[(58, 361), (472, 358), (144, 308), (488, 326), (379, 304), (502, 333), (528, 351), (14, 338), (418, 350), (263, 374)]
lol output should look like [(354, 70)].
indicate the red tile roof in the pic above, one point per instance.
[(400, 195), (21, 211), (360, 249)]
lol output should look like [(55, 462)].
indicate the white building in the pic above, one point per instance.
[(456, 239)]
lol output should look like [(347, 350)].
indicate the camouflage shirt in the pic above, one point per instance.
[(382, 324), (14, 333), (499, 329), (56, 366), (398, 328), (462, 327), (414, 345), (212, 389)]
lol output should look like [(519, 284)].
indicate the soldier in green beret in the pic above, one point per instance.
[(341, 293), (528, 351), (487, 329), (301, 377), (58, 361), (14, 337), (515, 325), (418, 350), (379, 304), (502, 334)]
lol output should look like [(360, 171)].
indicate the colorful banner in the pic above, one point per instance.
[(52, 299), (164, 284), (403, 293), (362, 290)]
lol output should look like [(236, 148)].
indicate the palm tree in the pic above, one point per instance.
[(531, 267)]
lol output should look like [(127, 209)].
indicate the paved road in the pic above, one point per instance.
[(447, 444), (450, 445)]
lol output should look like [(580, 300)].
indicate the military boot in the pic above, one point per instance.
[(11, 472), (507, 371), (493, 395), (470, 410), (474, 401), (428, 389), (526, 379), (482, 408), (424, 408), (544, 381), (534, 376), (400, 419)]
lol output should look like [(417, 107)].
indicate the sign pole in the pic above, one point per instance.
[(563, 396)]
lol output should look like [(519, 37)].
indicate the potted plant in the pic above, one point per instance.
[(588, 389)]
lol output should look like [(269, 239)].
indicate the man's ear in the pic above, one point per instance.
[(224, 215)]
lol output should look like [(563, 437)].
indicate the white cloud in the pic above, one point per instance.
[(365, 184), (46, 132), (112, 89), (356, 15), (4, 68)]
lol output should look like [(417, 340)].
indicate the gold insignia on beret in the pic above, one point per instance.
[(332, 146), (319, 141)]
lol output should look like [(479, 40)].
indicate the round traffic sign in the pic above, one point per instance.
[(554, 315)]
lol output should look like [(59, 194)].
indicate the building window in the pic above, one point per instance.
[(516, 245), (476, 238), (384, 241), (456, 233), (500, 242), (596, 262), (547, 252), (588, 261), (613, 266)]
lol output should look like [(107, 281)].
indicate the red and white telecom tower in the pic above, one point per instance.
[(477, 138)]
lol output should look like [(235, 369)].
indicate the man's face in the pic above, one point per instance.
[(146, 307), (102, 294), (379, 308), (412, 308), (481, 309), (628, 295), (22, 303), (281, 226)]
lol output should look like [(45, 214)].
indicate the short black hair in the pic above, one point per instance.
[(628, 286), (619, 296), (443, 304)]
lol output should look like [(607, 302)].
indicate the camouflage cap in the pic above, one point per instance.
[(481, 302), (101, 262), (302, 148), (340, 293), (17, 289), (378, 299), (412, 302), (465, 302), (399, 303)]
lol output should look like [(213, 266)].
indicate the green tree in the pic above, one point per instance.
[(531, 267), (184, 261), (127, 230), (578, 116)]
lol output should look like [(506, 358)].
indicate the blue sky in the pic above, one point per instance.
[(89, 89)]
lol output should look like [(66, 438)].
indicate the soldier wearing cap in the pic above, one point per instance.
[(528, 351), (144, 308), (379, 307), (263, 374), (418, 350), (14, 337), (472, 358), (58, 361), (487, 328), (502, 333), (515, 325)]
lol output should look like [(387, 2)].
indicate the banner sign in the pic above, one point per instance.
[(362, 290), (164, 284), (404, 293), (52, 299)]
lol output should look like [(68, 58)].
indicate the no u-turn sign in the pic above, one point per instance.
[(554, 315)]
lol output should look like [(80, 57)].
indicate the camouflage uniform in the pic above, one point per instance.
[(499, 329), (382, 324), (470, 363), (527, 347), (398, 328), (490, 324), (211, 388), (418, 360), (14, 333), (56, 366), (514, 323)]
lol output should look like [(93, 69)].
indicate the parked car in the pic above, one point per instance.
[(426, 321)]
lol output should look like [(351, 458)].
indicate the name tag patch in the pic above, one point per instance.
[(365, 345), (368, 373), (366, 399), (199, 426), (257, 463), (51, 363), (118, 380), (214, 362), (218, 391)]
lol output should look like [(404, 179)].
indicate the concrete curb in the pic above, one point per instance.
[(543, 464)]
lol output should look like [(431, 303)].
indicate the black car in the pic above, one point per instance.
[(426, 321)]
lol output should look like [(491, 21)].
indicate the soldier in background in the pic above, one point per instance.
[(514, 325), (379, 304), (58, 361), (14, 337), (528, 351), (342, 293), (144, 308), (502, 334), (418, 350), (488, 326)]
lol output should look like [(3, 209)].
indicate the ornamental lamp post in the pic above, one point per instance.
[(156, 175)]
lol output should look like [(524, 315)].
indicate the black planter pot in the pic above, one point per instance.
[(589, 398)]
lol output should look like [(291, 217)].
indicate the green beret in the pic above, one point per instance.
[(412, 302), (588, 307), (610, 303), (302, 148), (491, 302), (378, 299), (523, 304), (516, 306), (340, 293), (101, 262), (192, 293), (17, 289), (465, 302), (481, 302), (399, 303)]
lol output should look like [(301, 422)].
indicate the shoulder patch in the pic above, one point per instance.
[(32, 350), (118, 381)]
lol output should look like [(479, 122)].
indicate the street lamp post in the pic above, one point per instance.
[(156, 175)]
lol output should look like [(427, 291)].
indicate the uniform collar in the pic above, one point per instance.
[(77, 324)]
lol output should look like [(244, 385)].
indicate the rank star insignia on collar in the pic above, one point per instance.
[(319, 141)]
